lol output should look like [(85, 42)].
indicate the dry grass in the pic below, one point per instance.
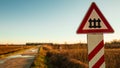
[(67, 56), (112, 58), (57, 60), (79, 53), (74, 56)]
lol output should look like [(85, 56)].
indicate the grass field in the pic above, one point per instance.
[(112, 57), (74, 56)]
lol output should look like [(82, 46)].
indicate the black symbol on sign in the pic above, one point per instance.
[(94, 23)]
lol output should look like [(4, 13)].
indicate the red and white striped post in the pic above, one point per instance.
[(94, 25), (96, 50)]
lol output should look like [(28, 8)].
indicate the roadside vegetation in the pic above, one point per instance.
[(40, 59), (74, 56), (51, 56)]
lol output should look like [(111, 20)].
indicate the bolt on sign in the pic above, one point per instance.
[(94, 24)]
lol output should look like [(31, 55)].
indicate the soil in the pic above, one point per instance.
[(17, 63)]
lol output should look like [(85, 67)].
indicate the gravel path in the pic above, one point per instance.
[(17, 63), (23, 60)]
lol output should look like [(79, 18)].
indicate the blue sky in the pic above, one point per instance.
[(55, 21)]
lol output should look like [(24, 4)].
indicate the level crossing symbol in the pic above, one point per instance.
[(94, 25)]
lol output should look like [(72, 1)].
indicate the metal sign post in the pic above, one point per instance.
[(96, 50)]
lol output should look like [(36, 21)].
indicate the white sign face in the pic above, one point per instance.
[(94, 22)]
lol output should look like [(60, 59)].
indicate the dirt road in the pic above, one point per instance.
[(22, 60)]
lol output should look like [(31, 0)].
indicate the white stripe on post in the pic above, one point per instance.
[(96, 50)]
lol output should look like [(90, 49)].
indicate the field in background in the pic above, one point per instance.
[(74, 56), (65, 55)]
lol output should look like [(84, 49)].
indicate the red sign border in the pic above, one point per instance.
[(94, 7)]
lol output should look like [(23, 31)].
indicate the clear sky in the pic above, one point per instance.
[(55, 21)]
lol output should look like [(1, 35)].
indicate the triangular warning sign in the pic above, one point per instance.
[(94, 22)]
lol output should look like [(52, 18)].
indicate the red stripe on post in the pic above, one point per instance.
[(99, 62), (96, 50)]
